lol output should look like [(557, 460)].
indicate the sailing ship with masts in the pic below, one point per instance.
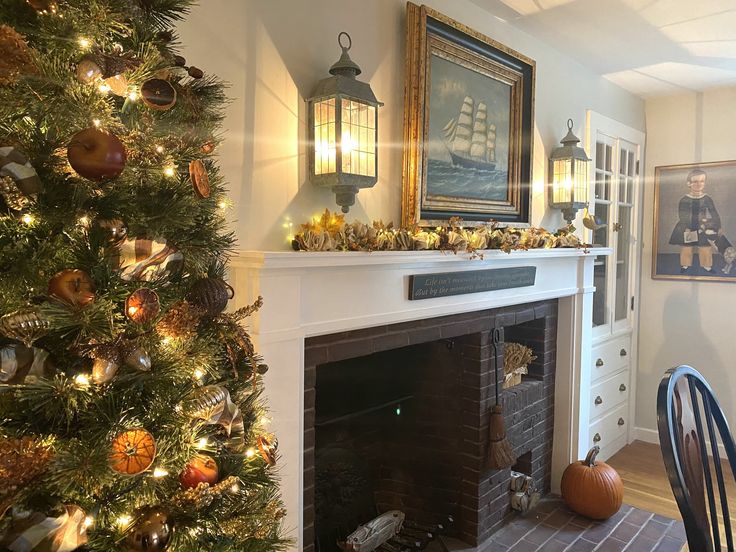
[(470, 140)]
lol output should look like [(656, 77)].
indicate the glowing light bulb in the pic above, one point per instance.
[(203, 442), (124, 520), (83, 220), (82, 380), (104, 88), (160, 472), (222, 205), (198, 373), (96, 122), (169, 171), (159, 149), (133, 95), (27, 219), (250, 453), (235, 488), (89, 521), (132, 310), (166, 341), (84, 42)]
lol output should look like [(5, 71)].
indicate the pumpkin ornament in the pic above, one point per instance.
[(592, 488), (132, 451)]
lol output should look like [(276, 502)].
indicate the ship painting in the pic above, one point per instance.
[(470, 140)]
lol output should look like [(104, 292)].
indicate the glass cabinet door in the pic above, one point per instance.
[(624, 231), (602, 206)]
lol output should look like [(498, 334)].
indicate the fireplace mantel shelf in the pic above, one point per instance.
[(304, 259)]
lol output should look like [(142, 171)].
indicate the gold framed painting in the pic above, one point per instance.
[(693, 228), (468, 125)]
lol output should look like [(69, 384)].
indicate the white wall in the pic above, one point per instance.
[(274, 51), (685, 322)]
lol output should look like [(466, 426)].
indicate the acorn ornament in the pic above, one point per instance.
[(25, 325), (142, 306), (211, 294), (138, 359), (73, 287), (152, 531), (20, 364), (158, 94), (106, 364)]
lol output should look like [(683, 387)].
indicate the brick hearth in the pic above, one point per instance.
[(457, 380)]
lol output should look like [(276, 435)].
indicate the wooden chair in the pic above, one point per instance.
[(686, 407)]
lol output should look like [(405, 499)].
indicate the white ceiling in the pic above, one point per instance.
[(650, 47)]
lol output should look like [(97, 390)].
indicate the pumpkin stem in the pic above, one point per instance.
[(590, 459)]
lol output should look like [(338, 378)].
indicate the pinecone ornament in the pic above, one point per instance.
[(180, 321)]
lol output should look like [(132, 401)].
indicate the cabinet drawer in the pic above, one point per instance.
[(608, 394), (610, 427), (610, 357)]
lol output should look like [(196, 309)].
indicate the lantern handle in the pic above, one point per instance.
[(569, 124), (339, 41)]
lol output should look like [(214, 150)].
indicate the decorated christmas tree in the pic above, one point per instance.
[(130, 416)]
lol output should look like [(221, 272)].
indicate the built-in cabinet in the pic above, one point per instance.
[(615, 200)]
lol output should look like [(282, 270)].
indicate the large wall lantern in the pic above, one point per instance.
[(343, 131), (568, 169)]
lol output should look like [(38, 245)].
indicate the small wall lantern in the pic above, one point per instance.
[(568, 169), (343, 131)]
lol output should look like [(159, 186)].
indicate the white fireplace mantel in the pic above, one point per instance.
[(310, 294)]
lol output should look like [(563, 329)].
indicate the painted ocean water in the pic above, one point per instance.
[(444, 178)]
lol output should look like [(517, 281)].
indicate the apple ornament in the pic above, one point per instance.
[(96, 154), (200, 469)]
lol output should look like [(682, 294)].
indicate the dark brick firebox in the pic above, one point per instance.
[(452, 390)]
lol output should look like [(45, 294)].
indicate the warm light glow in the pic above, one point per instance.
[(250, 453), (133, 95), (203, 443), (235, 488), (124, 520), (83, 220), (84, 43), (166, 340), (198, 373), (169, 171), (82, 380), (27, 219), (132, 310), (89, 521), (264, 420), (104, 87), (159, 149), (96, 122), (222, 205), (160, 472), (348, 144)]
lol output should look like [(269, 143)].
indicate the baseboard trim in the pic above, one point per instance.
[(652, 436)]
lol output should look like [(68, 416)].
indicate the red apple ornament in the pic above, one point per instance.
[(200, 469), (96, 154)]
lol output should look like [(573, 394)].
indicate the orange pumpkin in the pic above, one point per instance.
[(132, 452), (592, 488)]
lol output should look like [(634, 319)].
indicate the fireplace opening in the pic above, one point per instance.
[(397, 418)]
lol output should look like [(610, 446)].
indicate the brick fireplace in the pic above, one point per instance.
[(327, 315), (405, 409)]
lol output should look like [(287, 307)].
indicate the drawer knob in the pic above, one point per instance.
[(621, 421), (622, 387), (599, 362), (622, 352), (597, 438), (598, 400)]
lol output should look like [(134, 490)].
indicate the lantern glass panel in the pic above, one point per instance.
[(325, 147), (581, 181), (358, 140), (562, 181)]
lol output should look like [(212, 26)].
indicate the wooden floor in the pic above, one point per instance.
[(645, 481)]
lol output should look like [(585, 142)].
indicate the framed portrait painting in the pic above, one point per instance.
[(468, 125), (694, 230)]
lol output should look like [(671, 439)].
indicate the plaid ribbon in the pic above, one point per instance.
[(142, 259), (16, 165), (34, 532)]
